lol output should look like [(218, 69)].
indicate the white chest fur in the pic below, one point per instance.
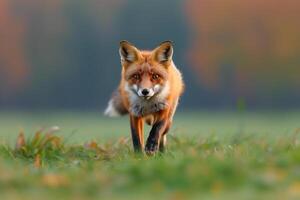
[(142, 107), (146, 107)]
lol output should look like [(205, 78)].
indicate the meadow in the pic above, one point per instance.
[(210, 155)]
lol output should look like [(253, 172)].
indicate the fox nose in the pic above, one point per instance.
[(145, 92)]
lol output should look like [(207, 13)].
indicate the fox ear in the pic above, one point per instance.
[(164, 52), (128, 52)]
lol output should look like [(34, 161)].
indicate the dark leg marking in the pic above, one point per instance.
[(154, 136)]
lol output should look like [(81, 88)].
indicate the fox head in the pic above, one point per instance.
[(146, 72)]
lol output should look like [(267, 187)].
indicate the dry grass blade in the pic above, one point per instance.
[(37, 161), (92, 145), (37, 137), (20, 141)]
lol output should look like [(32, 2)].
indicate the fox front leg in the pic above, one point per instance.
[(156, 132), (137, 133)]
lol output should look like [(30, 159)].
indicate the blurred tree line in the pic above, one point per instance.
[(247, 49), (63, 54)]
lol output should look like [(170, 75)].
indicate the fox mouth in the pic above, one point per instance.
[(146, 97)]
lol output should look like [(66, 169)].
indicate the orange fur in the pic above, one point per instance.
[(146, 64)]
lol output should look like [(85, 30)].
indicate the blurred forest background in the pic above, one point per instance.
[(63, 54)]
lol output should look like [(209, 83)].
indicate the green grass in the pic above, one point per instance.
[(209, 156)]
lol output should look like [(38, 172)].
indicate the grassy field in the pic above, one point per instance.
[(222, 155)]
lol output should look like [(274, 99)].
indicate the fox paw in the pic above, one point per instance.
[(151, 148)]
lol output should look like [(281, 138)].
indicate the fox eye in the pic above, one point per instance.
[(136, 77), (155, 76)]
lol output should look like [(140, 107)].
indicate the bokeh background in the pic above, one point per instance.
[(63, 54), (236, 133)]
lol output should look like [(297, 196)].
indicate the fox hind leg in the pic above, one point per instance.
[(163, 139)]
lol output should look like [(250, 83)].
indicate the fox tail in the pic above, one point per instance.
[(115, 106)]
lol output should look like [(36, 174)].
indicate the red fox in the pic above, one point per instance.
[(149, 91)]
